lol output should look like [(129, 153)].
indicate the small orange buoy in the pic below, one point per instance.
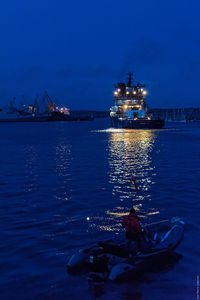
[(135, 182)]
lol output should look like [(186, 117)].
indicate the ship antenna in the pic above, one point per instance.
[(129, 84)]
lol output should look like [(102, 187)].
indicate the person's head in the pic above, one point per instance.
[(132, 211)]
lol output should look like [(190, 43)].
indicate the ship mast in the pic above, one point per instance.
[(130, 78)]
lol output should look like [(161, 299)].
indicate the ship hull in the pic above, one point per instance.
[(137, 124)]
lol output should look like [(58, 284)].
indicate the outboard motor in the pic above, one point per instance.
[(82, 258), (120, 270)]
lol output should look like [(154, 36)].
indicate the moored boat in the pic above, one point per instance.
[(38, 111)]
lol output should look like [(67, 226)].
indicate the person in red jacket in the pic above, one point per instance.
[(133, 227)]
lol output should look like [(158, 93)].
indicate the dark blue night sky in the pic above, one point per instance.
[(78, 50)]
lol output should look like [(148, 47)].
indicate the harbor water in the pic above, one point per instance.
[(66, 185)]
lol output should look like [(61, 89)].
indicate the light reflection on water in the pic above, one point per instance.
[(63, 159), (130, 151), (30, 159)]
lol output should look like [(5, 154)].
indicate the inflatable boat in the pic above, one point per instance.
[(117, 258)]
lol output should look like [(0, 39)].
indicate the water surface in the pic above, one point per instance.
[(66, 185)]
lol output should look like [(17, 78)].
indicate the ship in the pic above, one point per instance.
[(38, 111), (130, 110)]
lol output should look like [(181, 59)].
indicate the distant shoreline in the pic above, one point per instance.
[(189, 113)]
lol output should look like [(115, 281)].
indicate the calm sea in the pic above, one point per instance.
[(64, 186)]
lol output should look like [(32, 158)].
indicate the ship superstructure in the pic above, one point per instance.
[(130, 109)]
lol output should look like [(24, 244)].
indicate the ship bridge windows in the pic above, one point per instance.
[(126, 102), (118, 102), (134, 101)]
